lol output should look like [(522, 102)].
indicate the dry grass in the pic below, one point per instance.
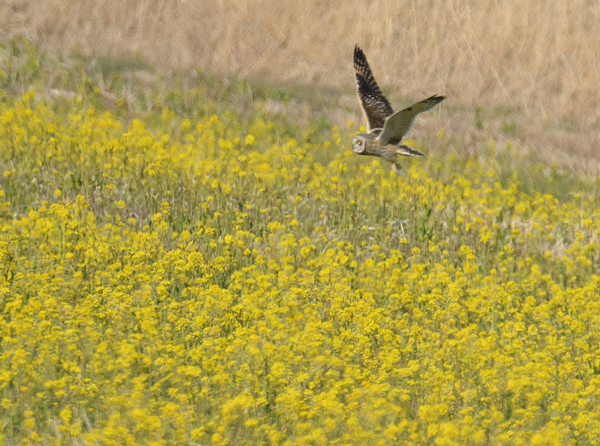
[(538, 56), (528, 65)]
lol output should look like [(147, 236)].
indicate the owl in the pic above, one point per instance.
[(386, 128)]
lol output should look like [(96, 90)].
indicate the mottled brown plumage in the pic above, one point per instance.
[(386, 129), (375, 105)]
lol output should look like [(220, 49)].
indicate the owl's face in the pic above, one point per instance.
[(359, 144)]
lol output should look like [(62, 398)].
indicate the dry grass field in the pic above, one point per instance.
[(540, 57)]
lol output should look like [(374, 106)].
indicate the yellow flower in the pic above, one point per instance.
[(195, 285)]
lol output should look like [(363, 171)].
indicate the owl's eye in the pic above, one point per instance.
[(359, 143)]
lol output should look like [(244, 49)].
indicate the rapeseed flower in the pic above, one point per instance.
[(204, 280)]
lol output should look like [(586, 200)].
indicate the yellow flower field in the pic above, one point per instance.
[(202, 279)]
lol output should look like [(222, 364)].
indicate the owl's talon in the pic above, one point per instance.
[(397, 169)]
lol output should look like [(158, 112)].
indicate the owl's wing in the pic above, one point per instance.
[(375, 105), (397, 125)]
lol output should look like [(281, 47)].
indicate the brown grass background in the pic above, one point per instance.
[(540, 57)]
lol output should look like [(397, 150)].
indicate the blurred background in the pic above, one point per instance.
[(539, 57)]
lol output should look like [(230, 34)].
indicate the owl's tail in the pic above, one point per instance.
[(407, 151)]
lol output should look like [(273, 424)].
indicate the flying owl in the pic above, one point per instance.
[(386, 128)]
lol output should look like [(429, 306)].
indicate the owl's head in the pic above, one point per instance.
[(359, 144)]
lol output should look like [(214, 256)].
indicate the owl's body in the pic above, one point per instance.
[(369, 144), (386, 129)]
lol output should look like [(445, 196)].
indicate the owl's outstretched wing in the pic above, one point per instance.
[(375, 105), (397, 125)]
